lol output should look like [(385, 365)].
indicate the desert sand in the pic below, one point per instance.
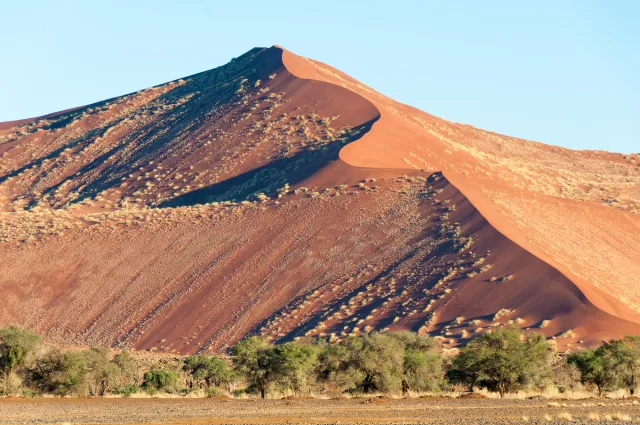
[(276, 195), (431, 410)]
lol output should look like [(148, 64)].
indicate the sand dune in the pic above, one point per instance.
[(276, 195)]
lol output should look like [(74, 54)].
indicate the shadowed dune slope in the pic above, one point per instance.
[(277, 196)]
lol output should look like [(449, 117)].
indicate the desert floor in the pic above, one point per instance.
[(351, 411)]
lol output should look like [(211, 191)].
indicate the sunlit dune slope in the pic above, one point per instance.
[(576, 210)]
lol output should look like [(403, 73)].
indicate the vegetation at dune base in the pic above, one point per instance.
[(614, 365), (504, 361)]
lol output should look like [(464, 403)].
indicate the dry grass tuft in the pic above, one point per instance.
[(622, 417), (565, 416)]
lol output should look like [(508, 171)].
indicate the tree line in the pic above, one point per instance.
[(504, 360)]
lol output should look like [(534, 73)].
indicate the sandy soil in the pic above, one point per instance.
[(354, 411)]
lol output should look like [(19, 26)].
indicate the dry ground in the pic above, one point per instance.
[(349, 411)]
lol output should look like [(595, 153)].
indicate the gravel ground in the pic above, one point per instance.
[(352, 411)]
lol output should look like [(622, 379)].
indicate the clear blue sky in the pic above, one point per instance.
[(561, 72)]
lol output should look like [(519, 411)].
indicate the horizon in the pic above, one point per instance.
[(515, 76)]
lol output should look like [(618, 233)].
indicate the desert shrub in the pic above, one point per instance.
[(624, 357), (212, 392), (293, 365), (17, 349), (376, 362), (504, 361), (207, 370), (421, 365), (126, 390), (59, 373), (27, 393), (125, 372), (252, 360), (100, 371), (596, 368), (158, 379), (566, 376)]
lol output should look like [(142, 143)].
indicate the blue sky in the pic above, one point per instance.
[(561, 72)]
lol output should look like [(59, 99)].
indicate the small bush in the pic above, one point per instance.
[(127, 390), (157, 380)]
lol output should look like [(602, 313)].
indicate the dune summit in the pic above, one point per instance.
[(275, 195)]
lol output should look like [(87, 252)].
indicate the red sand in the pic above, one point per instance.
[(365, 242)]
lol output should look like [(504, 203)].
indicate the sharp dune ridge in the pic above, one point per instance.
[(276, 195)]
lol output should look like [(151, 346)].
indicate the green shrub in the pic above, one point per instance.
[(251, 359), (59, 373), (125, 372), (207, 370), (212, 392), (126, 390), (503, 361), (27, 393), (596, 368), (160, 380), (17, 349)]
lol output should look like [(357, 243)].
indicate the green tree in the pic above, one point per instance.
[(503, 360), (293, 365), (59, 373), (565, 375), (125, 373), (595, 368), (624, 356), (158, 379), (421, 365), (17, 348), (252, 360), (207, 370), (100, 371), (376, 362), (332, 370)]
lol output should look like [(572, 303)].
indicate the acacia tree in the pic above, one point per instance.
[(376, 362), (252, 359), (159, 379), (332, 370), (624, 356), (59, 373), (503, 360), (17, 348), (293, 364), (595, 368), (100, 371), (421, 365), (125, 371), (565, 375), (207, 370)]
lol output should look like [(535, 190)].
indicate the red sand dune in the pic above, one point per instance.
[(276, 195)]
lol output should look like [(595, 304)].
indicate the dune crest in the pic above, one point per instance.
[(529, 191)]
